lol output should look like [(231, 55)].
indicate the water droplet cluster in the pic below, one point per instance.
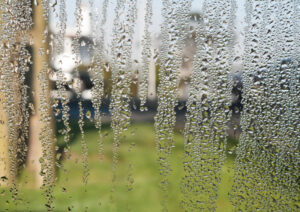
[(174, 30), (208, 106), (121, 71), (61, 82), (42, 105), (77, 86), (266, 174), (14, 63), (97, 75), (146, 56)]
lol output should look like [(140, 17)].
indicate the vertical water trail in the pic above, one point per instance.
[(15, 58), (267, 153), (77, 88), (125, 15), (61, 80), (208, 106), (96, 72), (189, 182), (6, 84), (263, 80), (62, 93), (174, 31), (62, 25), (244, 196), (220, 80), (286, 109), (46, 134), (146, 56), (23, 62)]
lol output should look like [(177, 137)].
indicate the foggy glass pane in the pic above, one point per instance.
[(141, 105)]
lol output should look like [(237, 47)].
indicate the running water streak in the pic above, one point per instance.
[(62, 82), (146, 56), (121, 65), (61, 25), (96, 72), (46, 134), (77, 87)]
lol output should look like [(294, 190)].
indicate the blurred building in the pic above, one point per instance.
[(66, 60), (74, 73)]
